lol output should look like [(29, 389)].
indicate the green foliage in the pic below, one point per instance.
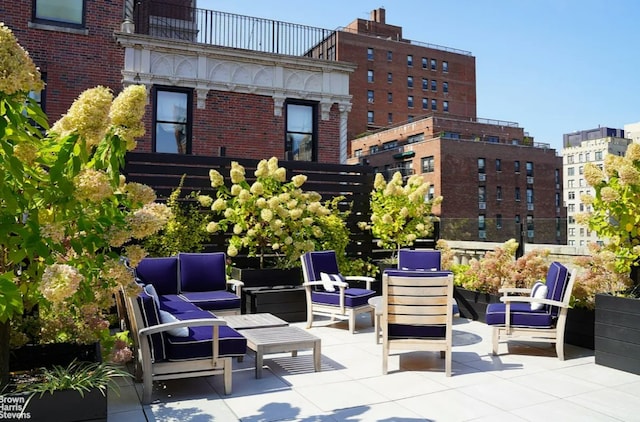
[(399, 213), (615, 208), (185, 231), (79, 376)]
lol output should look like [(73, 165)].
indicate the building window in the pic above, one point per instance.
[(434, 104), (498, 221), (572, 195), (409, 60), (390, 118), (389, 97), (434, 85), (432, 193), (516, 166), (425, 104), (172, 120), (418, 137), (570, 159), (410, 101), (571, 208), (428, 165), (60, 12), (445, 87), (445, 106), (598, 156), (389, 77), (434, 64), (370, 117), (409, 81), (373, 149), (517, 194), (425, 83), (389, 145), (581, 170), (498, 164), (481, 165), (557, 199), (410, 118), (301, 144), (424, 63), (482, 194), (445, 66), (570, 171), (369, 75), (370, 96), (369, 53), (389, 55), (498, 193), (530, 226), (529, 195), (571, 183), (517, 218), (482, 233)]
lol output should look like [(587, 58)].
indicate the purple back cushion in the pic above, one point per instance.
[(161, 272), (320, 262), (201, 272), (425, 260)]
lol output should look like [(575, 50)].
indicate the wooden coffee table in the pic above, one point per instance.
[(279, 340), (253, 321)]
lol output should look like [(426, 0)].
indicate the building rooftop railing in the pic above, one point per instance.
[(235, 31)]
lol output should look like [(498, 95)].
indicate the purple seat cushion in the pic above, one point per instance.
[(353, 297), (521, 315), (198, 343), (419, 259), (161, 272), (151, 317), (214, 300), (202, 272), (397, 331), (176, 305)]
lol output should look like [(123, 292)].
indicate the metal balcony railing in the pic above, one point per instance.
[(236, 31)]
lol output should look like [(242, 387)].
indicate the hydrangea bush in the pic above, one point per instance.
[(67, 214), (400, 213), (267, 216)]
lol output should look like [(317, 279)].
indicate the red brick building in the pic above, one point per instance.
[(206, 96), (398, 80), (493, 179)]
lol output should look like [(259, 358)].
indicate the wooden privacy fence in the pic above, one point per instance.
[(355, 182)]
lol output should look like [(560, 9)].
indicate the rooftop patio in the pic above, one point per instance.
[(527, 383)]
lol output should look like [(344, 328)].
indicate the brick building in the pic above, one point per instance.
[(207, 96), (494, 180), (398, 80)]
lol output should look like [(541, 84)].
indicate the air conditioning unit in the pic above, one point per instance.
[(529, 207), (370, 100), (482, 234), (530, 180), (482, 205), (482, 177)]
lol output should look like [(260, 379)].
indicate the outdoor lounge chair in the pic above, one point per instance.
[(540, 316), (328, 292), (417, 314)]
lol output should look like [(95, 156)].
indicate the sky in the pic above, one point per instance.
[(552, 66)]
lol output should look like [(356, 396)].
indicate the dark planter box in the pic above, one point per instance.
[(477, 301), (579, 330), (61, 406), (288, 303), (617, 333), (33, 356), (267, 277)]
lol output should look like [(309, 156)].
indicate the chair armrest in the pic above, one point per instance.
[(359, 278), (236, 285), (528, 299), (340, 284), (200, 322), (514, 290)]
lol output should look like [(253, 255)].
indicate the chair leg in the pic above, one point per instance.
[(385, 359), (352, 322), (309, 318), (147, 388), (227, 375), (560, 348), (447, 363), (495, 340)]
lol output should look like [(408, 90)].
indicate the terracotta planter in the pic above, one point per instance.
[(617, 333), (61, 406)]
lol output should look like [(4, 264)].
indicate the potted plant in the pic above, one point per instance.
[(68, 214), (267, 217), (80, 389), (613, 216), (400, 213)]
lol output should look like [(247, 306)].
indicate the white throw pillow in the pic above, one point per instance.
[(151, 291), (166, 317), (538, 291), (329, 279)]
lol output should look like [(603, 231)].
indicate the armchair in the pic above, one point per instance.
[(537, 316), (328, 292), (417, 313)]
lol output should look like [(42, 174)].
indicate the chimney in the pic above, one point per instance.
[(378, 15)]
